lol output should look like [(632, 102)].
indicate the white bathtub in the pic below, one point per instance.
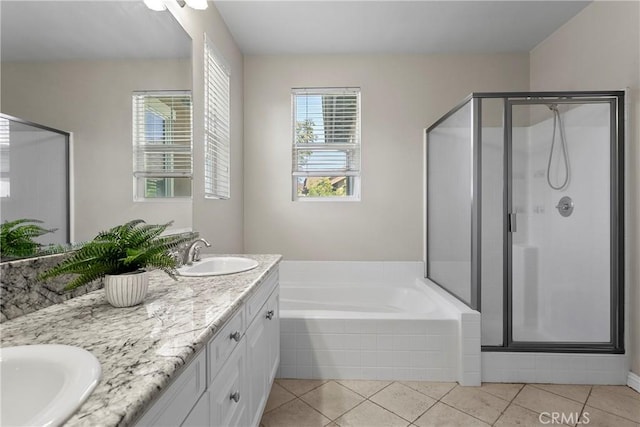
[(373, 320), (361, 301)]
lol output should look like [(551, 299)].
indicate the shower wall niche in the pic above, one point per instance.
[(524, 222)]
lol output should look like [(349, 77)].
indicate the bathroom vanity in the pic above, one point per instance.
[(228, 381), (199, 351)]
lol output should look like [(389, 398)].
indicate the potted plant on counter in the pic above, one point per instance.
[(17, 238), (121, 255)]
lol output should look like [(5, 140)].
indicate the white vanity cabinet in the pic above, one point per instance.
[(241, 361)]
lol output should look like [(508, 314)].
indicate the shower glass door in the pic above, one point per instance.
[(559, 221)]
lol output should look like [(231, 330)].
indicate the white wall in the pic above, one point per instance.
[(219, 221), (92, 99), (401, 96), (599, 49)]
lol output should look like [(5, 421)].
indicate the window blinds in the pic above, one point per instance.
[(217, 125), (326, 140), (5, 181), (162, 137)]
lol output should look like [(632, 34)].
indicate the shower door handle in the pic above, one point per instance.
[(511, 218)]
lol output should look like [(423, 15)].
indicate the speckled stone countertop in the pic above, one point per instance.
[(140, 348)]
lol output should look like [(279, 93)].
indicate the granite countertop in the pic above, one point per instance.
[(139, 348)]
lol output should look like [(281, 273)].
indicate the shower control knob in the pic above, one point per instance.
[(235, 396), (565, 206)]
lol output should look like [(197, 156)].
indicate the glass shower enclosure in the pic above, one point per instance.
[(35, 177), (524, 217)]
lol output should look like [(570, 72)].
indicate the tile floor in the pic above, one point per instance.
[(315, 403)]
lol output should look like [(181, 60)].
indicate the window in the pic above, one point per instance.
[(162, 145), (326, 144), (216, 125)]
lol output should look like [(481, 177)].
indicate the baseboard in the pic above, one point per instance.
[(633, 381)]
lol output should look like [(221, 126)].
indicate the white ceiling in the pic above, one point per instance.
[(62, 30), (324, 27)]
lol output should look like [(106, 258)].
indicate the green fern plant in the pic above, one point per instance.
[(126, 248), (17, 237)]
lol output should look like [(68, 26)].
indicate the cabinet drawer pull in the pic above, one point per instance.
[(235, 396), (236, 337), (270, 314)]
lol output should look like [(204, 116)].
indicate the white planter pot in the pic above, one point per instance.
[(126, 290)]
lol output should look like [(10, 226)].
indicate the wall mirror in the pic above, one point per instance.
[(73, 66)]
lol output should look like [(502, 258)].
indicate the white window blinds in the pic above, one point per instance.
[(5, 164), (162, 144), (326, 143), (217, 125)]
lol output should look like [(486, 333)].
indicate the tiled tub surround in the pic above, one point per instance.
[(373, 320), (22, 294), (141, 349)]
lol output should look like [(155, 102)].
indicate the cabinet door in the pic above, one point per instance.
[(263, 351), (228, 391), (257, 361), (273, 337), (177, 400), (199, 416)]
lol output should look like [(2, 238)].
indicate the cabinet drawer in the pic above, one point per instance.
[(180, 396), (225, 342), (228, 392), (258, 299)]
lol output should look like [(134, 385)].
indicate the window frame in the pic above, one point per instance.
[(356, 195)]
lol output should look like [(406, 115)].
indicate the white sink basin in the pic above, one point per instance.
[(43, 385), (216, 266)]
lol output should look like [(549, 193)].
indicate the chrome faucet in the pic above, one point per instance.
[(193, 251)]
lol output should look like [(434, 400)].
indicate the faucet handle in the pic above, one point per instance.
[(177, 257), (196, 254)]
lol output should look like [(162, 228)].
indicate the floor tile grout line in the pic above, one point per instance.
[(558, 394), (584, 405), (341, 415), (310, 390), (389, 410), (500, 397), (425, 394), (280, 405), (485, 392), (447, 393), (399, 383), (339, 385), (466, 413), (508, 404), (373, 393), (330, 420), (611, 413)]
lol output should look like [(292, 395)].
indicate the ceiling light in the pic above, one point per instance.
[(197, 4), (157, 5)]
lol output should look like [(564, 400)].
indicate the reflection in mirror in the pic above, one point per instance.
[(34, 184), (73, 66)]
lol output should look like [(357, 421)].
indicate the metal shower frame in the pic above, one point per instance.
[(616, 99)]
